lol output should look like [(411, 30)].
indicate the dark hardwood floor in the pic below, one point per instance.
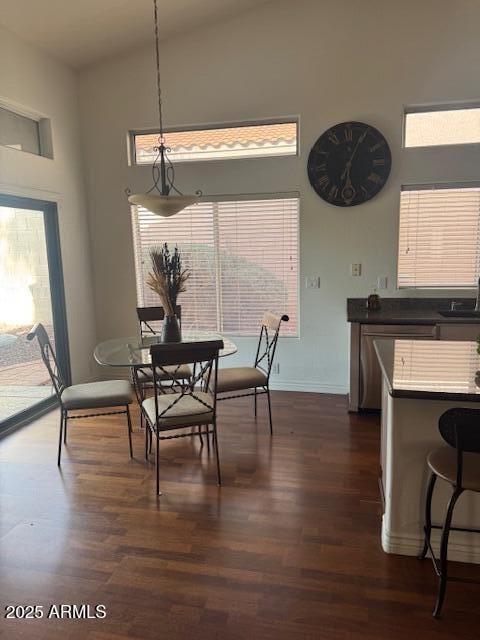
[(288, 548)]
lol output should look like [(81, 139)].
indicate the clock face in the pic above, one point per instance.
[(349, 164)]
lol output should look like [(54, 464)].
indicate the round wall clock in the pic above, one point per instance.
[(349, 164)]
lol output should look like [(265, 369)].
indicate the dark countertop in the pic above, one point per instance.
[(430, 369), (408, 311)]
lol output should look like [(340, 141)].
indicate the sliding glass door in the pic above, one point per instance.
[(31, 291)]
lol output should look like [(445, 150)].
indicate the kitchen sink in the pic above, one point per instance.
[(460, 313)]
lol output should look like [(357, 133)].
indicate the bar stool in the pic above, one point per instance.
[(458, 464)]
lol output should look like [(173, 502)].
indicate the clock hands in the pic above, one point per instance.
[(348, 192)]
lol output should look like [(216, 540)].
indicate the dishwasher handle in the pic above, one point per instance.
[(399, 336)]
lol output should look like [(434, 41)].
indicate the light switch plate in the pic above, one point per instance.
[(382, 282), (356, 269)]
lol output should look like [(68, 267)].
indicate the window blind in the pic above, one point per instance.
[(435, 366), (243, 259), (439, 237)]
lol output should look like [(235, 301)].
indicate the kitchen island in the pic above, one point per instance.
[(420, 380), (415, 318)]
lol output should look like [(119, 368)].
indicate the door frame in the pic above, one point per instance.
[(57, 295)]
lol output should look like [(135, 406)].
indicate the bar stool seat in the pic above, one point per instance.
[(443, 462)]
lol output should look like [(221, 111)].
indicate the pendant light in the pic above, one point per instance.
[(159, 198)]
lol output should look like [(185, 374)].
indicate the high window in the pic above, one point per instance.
[(432, 127), (23, 133), (219, 142), (243, 259)]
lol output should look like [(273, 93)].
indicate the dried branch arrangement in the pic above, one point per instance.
[(167, 278)]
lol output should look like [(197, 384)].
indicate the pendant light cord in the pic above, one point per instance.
[(157, 54)]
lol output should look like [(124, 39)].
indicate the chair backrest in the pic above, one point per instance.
[(267, 342), (460, 428), (147, 316), (49, 358), (167, 359)]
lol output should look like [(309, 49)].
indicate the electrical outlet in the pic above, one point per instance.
[(382, 282), (312, 282), (276, 368), (356, 269)]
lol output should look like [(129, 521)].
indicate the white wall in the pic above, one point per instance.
[(325, 61), (31, 80)]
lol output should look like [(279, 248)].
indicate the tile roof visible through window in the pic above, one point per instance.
[(229, 142)]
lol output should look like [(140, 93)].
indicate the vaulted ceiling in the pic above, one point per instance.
[(80, 32)]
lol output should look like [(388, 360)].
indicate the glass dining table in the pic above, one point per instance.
[(134, 351)]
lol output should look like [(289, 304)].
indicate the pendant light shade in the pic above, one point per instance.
[(164, 206), (158, 198)]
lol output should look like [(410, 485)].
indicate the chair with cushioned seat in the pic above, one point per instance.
[(459, 465), (253, 381), (189, 407), (148, 320), (88, 396)]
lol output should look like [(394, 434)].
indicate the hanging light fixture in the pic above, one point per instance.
[(159, 199)]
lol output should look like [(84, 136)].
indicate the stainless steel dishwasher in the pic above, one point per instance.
[(370, 375)]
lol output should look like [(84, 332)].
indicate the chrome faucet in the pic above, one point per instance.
[(477, 304)]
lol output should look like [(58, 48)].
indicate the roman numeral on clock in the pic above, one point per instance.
[(323, 182), (375, 178), (333, 193), (376, 146)]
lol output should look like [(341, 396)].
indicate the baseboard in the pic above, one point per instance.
[(460, 547), (276, 384), (307, 386)]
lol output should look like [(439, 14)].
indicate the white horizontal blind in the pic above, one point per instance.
[(439, 237), (435, 366), (243, 258), (191, 230)]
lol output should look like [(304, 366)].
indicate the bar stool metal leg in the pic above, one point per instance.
[(444, 551), (428, 516)]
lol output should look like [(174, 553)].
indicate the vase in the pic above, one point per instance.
[(171, 329)]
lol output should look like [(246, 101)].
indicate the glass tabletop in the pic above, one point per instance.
[(135, 351)]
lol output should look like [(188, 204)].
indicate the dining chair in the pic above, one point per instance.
[(458, 463), (190, 406), (89, 396), (143, 376), (254, 381)]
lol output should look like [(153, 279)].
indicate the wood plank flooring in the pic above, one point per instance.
[(288, 548)]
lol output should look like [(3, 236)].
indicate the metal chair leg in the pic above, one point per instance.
[(255, 403), (129, 422), (215, 442), (157, 461), (428, 516), (65, 431), (200, 435), (444, 551), (63, 424), (147, 431), (269, 411)]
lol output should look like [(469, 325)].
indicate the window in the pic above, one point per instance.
[(220, 143), (243, 259), (439, 237), (442, 126), (20, 132)]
